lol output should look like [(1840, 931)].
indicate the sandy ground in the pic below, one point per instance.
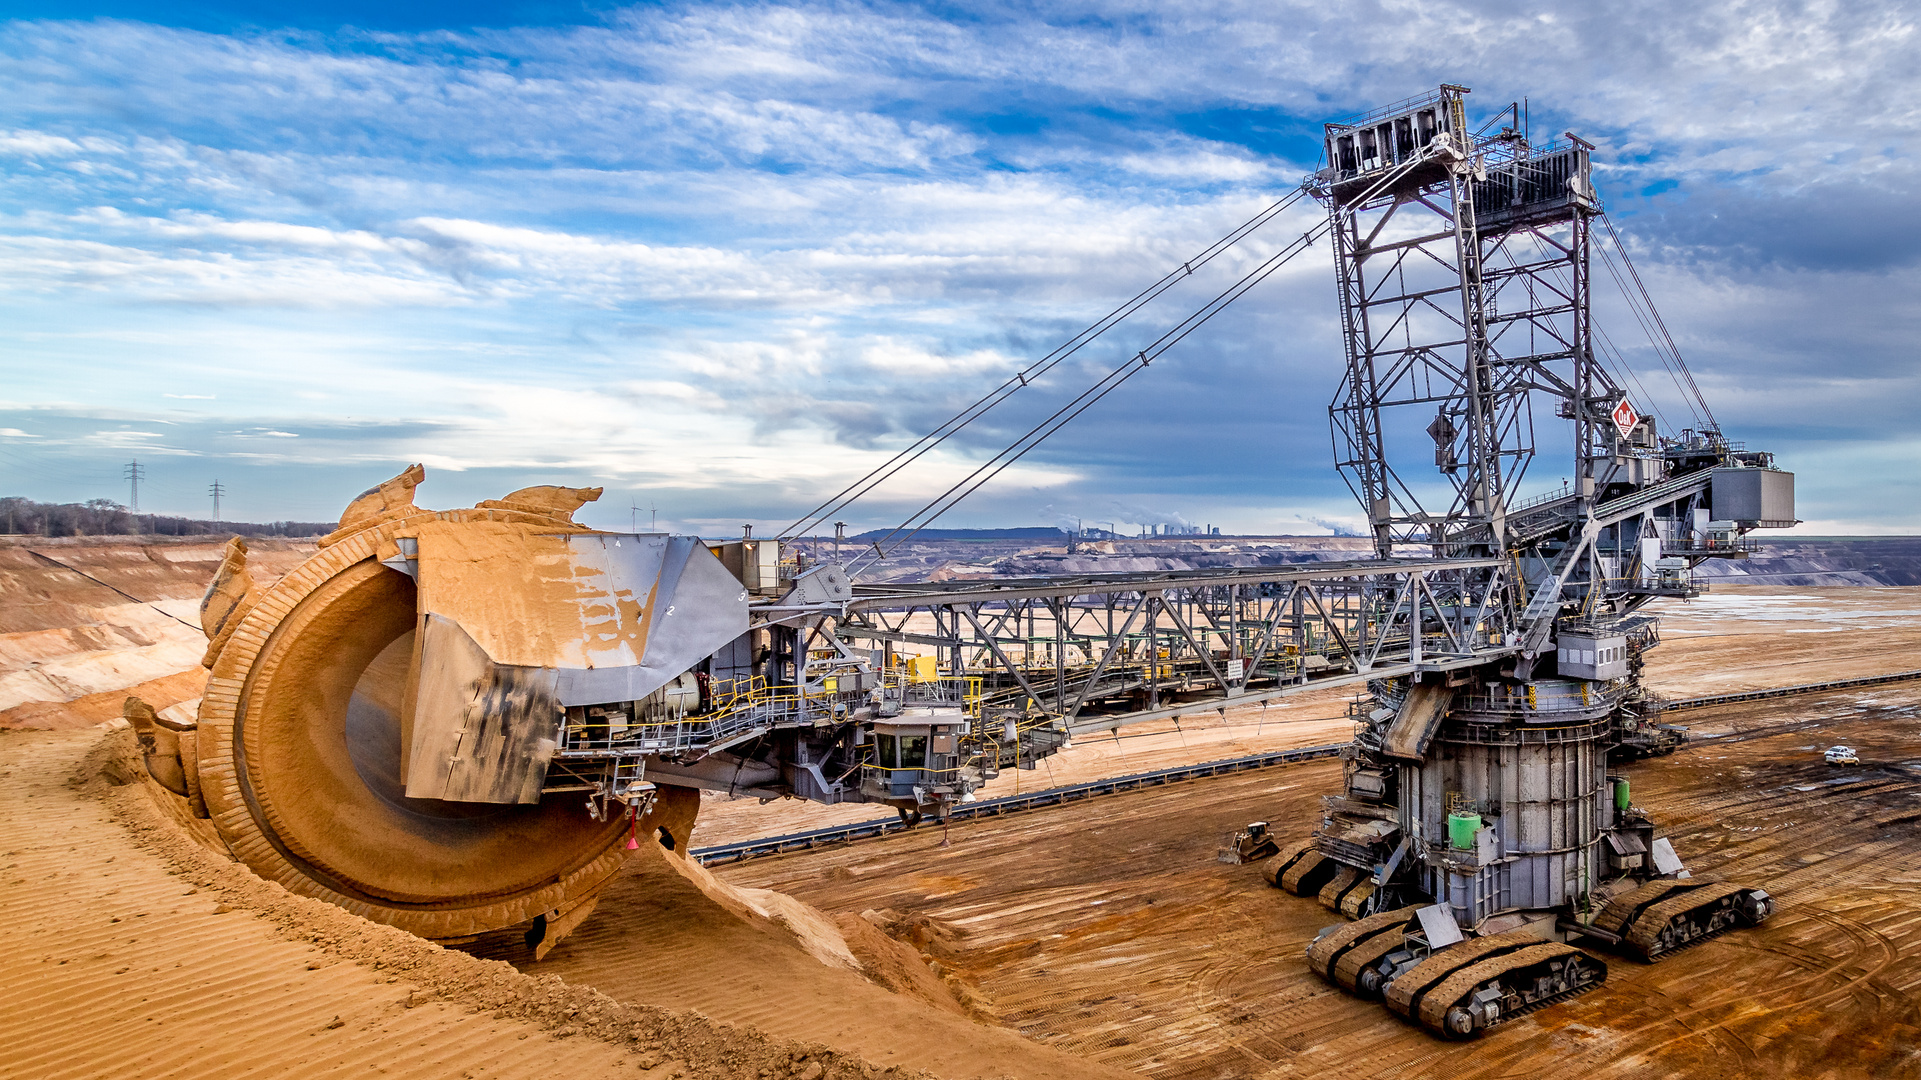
[(1084, 942), (1112, 931), (1747, 637), (147, 955), (131, 951)]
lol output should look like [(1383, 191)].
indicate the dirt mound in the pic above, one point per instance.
[(151, 930), (668, 934), (895, 965)]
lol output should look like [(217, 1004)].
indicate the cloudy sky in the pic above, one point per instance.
[(722, 258)]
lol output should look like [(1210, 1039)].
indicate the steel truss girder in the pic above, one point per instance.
[(1100, 652)]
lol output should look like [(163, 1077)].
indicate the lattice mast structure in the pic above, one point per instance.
[(1463, 289)]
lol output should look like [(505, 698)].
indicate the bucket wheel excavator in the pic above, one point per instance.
[(363, 737), (459, 722)]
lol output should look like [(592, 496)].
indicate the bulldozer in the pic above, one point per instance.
[(1251, 844)]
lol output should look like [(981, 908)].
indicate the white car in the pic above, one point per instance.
[(1841, 755)]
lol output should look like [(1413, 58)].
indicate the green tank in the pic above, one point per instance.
[(1461, 829)]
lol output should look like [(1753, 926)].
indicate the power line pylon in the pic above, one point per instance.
[(216, 490), (134, 473)]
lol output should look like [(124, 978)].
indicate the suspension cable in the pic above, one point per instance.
[(940, 504), (1022, 379), (1608, 349), (1107, 384), (1659, 326), (1667, 363)]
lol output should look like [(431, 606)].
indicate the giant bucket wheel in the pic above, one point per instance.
[(299, 757)]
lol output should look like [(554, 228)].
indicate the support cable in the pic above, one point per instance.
[(940, 504), (1608, 349), (1655, 314), (1667, 364), (1023, 378), (1107, 384)]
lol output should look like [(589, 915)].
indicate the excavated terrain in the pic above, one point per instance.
[(1112, 931), (1092, 940), (85, 621)]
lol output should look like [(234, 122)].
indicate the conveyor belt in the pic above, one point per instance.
[(1788, 691), (1011, 804)]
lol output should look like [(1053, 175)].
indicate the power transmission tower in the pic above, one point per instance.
[(134, 473), (216, 491)]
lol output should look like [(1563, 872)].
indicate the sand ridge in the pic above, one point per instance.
[(159, 958)]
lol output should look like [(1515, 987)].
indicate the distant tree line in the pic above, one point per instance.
[(104, 517)]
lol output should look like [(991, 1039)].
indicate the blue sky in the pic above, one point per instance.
[(722, 258)]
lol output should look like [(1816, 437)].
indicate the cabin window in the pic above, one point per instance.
[(913, 751), (884, 751)]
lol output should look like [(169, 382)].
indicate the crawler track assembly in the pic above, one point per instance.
[(1346, 954), (1464, 989), (1665, 916)]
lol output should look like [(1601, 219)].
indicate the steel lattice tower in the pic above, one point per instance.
[(1461, 260)]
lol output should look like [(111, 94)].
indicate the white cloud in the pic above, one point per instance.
[(774, 237)]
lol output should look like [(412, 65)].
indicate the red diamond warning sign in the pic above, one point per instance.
[(1625, 418)]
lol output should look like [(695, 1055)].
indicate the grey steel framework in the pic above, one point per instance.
[(1462, 263), (1493, 641), (1083, 653), (1464, 292)]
